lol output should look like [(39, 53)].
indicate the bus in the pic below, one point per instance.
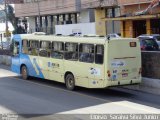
[(90, 62)]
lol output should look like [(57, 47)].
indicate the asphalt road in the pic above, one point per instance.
[(42, 99)]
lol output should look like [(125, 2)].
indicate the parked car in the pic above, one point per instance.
[(114, 35), (148, 44), (156, 37)]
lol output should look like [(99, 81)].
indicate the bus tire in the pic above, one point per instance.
[(24, 72), (70, 81)]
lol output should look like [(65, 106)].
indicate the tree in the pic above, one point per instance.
[(11, 17)]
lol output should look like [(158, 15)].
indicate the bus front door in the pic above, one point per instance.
[(15, 57)]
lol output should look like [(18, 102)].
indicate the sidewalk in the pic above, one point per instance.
[(148, 85)]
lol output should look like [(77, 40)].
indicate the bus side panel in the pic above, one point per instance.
[(41, 67), (80, 70), (56, 70), (32, 65), (100, 72), (83, 73), (98, 81), (15, 67)]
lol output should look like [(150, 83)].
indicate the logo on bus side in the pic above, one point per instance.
[(119, 63), (95, 71), (53, 65)]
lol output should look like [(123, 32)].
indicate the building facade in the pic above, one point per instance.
[(104, 9), (43, 15), (139, 17), (69, 16)]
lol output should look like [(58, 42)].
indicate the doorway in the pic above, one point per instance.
[(155, 26), (139, 27)]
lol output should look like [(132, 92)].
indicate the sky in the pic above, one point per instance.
[(3, 27)]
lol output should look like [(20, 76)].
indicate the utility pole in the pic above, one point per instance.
[(139, 5), (6, 20), (1, 41), (39, 16)]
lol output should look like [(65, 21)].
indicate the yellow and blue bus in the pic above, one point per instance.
[(90, 62)]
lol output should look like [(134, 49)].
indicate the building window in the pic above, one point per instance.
[(112, 12)]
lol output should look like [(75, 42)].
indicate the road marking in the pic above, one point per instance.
[(101, 99)]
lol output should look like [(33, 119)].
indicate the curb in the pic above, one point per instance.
[(148, 85)]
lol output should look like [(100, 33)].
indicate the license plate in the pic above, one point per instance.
[(133, 44)]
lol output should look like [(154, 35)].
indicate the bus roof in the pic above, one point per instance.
[(80, 39)]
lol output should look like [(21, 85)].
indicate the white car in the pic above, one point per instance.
[(114, 35)]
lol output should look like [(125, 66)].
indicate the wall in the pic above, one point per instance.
[(47, 7), (84, 28), (97, 3), (84, 16), (110, 27), (87, 16), (4, 59), (127, 29), (151, 64), (100, 25)]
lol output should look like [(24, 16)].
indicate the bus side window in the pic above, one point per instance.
[(86, 53), (34, 47), (16, 48), (71, 51), (99, 54), (57, 51), (25, 46), (45, 49)]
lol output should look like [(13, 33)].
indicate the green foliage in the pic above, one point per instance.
[(12, 19), (11, 16)]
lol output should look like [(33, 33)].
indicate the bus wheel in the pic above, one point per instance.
[(70, 82), (24, 72)]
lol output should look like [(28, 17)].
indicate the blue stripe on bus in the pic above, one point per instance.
[(32, 72), (20, 59)]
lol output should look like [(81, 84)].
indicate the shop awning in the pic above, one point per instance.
[(142, 17)]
